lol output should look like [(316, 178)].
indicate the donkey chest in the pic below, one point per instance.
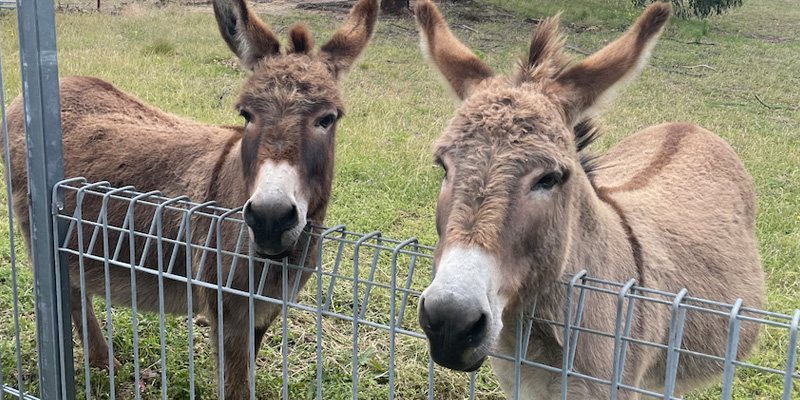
[(534, 383)]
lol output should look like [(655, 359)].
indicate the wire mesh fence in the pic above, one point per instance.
[(352, 333), (363, 280)]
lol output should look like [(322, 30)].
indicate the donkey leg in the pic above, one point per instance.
[(237, 359), (98, 346), (265, 315), (260, 331), (235, 349), (236, 345)]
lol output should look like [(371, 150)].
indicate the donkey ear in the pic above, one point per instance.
[(459, 66), (245, 34), (585, 86), (346, 45), (300, 40)]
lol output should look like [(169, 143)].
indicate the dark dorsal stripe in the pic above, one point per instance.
[(669, 148), (636, 247), (211, 193)]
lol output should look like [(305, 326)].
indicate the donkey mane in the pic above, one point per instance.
[(586, 133)]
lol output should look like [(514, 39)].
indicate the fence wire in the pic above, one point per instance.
[(365, 282)]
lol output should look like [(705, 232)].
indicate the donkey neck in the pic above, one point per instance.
[(226, 185), (225, 167), (603, 242)]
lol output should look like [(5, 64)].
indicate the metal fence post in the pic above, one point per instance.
[(39, 67)]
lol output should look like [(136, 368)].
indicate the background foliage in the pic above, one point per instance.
[(698, 8)]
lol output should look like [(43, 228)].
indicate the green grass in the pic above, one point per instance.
[(173, 58)]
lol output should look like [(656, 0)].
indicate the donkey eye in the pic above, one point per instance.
[(325, 121), (547, 182), (248, 118)]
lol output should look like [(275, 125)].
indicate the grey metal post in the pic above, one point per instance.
[(39, 67)]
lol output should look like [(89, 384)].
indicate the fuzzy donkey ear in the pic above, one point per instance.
[(246, 35), (586, 85), (300, 40), (346, 45), (459, 66)]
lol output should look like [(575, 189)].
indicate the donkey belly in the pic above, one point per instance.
[(105, 262), (103, 256), (150, 294)]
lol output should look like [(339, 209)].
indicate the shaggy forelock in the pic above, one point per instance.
[(512, 114), (546, 57), (296, 82), (494, 140), (524, 116)]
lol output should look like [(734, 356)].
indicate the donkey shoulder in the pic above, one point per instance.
[(672, 156), (689, 202)]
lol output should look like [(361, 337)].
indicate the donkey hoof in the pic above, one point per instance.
[(117, 365), (201, 320), (101, 362)]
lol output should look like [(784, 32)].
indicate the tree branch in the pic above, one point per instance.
[(696, 66), (577, 50), (762, 103)]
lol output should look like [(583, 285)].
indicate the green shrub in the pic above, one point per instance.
[(698, 8)]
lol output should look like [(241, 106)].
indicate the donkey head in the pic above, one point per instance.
[(291, 104), (513, 171)]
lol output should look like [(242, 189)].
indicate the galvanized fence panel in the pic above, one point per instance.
[(39, 77), (365, 287)]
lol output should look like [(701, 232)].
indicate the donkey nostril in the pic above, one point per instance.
[(271, 217), (247, 213), (475, 333), (289, 219), (424, 318)]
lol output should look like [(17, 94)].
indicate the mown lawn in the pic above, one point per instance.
[(172, 57)]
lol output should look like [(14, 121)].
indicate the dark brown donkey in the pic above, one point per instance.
[(522, 203), (279, 166)]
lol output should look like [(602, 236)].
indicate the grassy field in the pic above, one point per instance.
[(736, 75)]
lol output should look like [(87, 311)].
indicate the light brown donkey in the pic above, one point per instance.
[(278, 166), (522, 204)]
